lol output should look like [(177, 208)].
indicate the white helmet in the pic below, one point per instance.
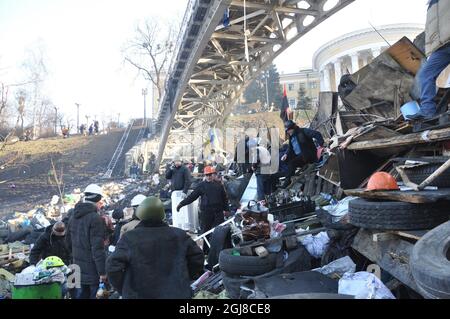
[(137, 200), (94, 189)]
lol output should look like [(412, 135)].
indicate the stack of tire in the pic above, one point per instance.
[(391, 215), (238, 270)]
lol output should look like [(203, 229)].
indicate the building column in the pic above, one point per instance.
[(355, 62), (376, 52), (337, 72), (326, 83), (365, 60)]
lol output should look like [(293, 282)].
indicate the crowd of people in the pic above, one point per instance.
[(150, 258), (92, 130)]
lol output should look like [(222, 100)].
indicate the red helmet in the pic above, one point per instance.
[(382, 181), (209, 170)]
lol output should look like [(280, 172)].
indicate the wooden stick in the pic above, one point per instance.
[(435, 175), (405, 179)]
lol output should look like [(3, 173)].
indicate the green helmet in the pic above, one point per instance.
[(52, 261), (151, 209)]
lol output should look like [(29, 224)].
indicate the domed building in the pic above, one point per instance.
[(352, 51)]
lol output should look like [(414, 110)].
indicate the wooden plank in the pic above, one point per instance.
[(391, 255), (374, 133), (409, 139), (311, 184), (318, 186), (412, 234), (407, 55), (385, 70), (415, 197)]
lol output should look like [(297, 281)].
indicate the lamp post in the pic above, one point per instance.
[(144, 93), (118, 120), (56, 119), (78, 116)]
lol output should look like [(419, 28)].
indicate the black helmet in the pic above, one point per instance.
[(151, 209)]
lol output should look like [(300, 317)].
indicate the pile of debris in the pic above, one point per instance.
[(361, 241), (20, 230)]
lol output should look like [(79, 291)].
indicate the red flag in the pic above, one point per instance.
[(285, 112)]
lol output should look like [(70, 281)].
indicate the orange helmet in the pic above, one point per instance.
[(382, 181), (209, 170)]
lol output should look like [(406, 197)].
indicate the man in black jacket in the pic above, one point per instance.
[(179, 175), (86, 237), (180, 180), (51, 243), (214, 201), (302, 148), (154, 260)]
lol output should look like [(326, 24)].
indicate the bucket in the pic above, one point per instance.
[(410, 108), (45, 291)]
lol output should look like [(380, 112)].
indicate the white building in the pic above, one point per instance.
[(352, 51)]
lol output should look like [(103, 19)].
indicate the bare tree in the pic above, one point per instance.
[(4, 89), (150, 50), (35, 69), (21, 97)]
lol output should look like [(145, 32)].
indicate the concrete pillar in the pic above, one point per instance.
[(376, 52), (326, 84), (355, 62), (337, 72), (365, 60)]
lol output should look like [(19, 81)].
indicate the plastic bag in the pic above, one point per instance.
[(364, 285), (316, 245), (276, 229), (338, 267), (339, 210)]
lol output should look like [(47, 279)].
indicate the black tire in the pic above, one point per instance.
[(419, 174), (387, 215), (246, 265), (430, 263)]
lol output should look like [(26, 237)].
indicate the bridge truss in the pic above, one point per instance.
[(211, 68)]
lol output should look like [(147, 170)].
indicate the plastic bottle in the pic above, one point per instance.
[(100, 290)]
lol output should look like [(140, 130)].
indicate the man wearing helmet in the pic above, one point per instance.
[(85, 237), (214, 200), (154, 260), (132, 223)]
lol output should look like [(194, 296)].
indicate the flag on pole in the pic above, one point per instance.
[(285, 112)]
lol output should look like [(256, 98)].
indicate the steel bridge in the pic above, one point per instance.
[(213, 63)]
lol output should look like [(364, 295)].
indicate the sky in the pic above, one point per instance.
[(83, 41)]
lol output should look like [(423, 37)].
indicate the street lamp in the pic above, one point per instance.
[(56, 118), (144, 93), (78, 115)]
